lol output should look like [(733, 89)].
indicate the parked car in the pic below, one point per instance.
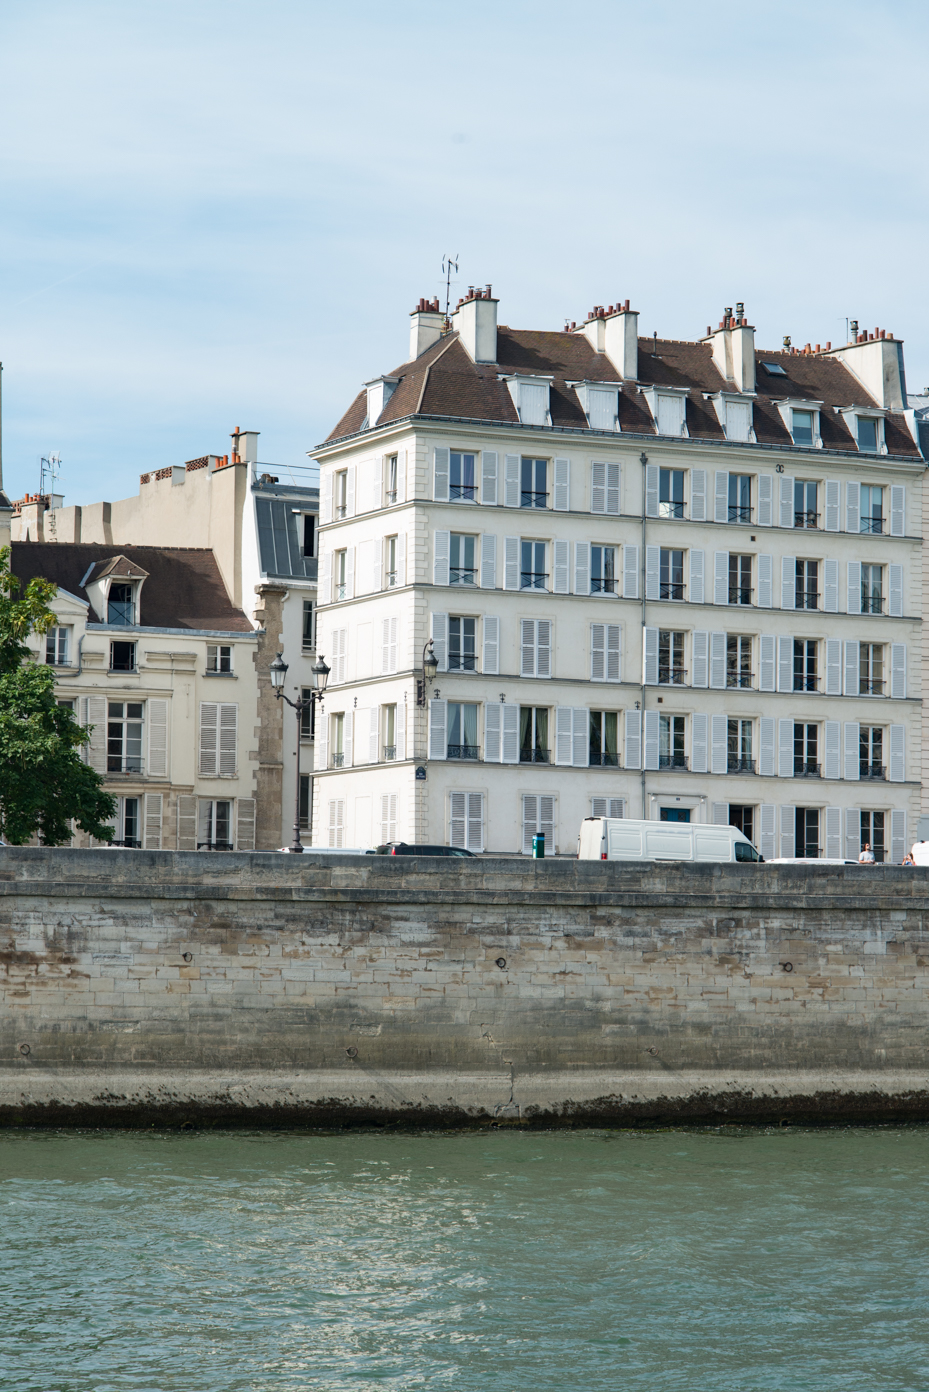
[(620, 838), (403, 848), (813, 860), (327, 850)]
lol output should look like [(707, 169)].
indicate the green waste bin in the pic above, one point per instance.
[(538, 846)]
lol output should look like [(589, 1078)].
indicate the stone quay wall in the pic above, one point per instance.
[(180, 988)]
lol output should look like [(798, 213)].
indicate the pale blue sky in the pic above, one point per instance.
[(220, 212)]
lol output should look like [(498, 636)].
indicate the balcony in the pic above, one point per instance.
[(739, 514), (671, 589), (602, 586), (391, 496), (875, 772), (806, 519), (804, 768), (130, 845), (872, 525), (806, 599), (535, 756), (391, 578), (867, 686), (740, 681), (735, 764), (672, 761), (673, 510), (212, 846), (390, 753), (340, 510), (462, 575), (528, 499), (462, 662), (463, 751), (604, 760), (872, 604), (533, 580), (805, 683), (672, 676), (340, 590), (337, 760), (740, 594), (130, 765), (462, 492)]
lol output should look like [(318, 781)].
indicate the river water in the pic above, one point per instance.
[(698, 1260)]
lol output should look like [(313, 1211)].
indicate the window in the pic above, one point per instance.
[(867, 434), (218, 738), (607, 806), (604, 739), (389, 730), (872, 598), (533, 735), (462, 730), (66, 703), (309, 534), (218, 657), (603, 570), (341, 493), (341, 573), (307, 715), (58, 647), (743, 818), (535, 642), (336, 822), (805, 677), (871, 752), (308, 626), (671, 670), (671, 574), (461, 485), (807, 585), (805, 503), (739, 757), (119, 606), (128, 825), (872, 833), (124, 737), (466, 821), (806, 750), (534, 483), (305, 784), (337, 744), (674, 814), (390, 562), (671, 493), (122, 657), (802, 427), (871, 517), (806, 824), (738, 660), (671, 742), (462, 645), (538, 820), (391, 481), (740, 578), (214, 825), (533, 573), (740, 497), (871, 669), (461, 564)]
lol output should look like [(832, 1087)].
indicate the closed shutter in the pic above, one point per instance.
[(544, 648), (612, 489), (511, 563), (852, 752), (650, 740), (833, 667), (613, 652), (720, 814), (765, 582), (598, 652), (339, 654), (489, 477), (493, 730), (853, 507), (833, 505), (336, 822), (510, 734), (767, 841), (718, 661), (698, 495), (719, 756), (157, 713), (564, 735), (852, 671), (895, 608), (788, 582), (490, 655), (349, 572), (701, 658), (488, 561), (785, 663), (738, 420), (897, 835), (245, 824), (389, 817), (696, 576), (209, 738), (630, 572), (401, 476), (228, 739), (440, 476), (440, 549), (766, 662), (633, 740), (186, 822), (607, 807), (581, 737), (650, 656), (699, 742), (854, 587), (652, 571), (897, 510), (786, 508), (834, 833), (582, 567), (511, 489), (561, 497), (832, 763), (466, 821), (651, 490), (831, 586), (766, 746), (788, 831), (720, 577), (765, 500), (896, 771), (561, 559), (785, 749), (95, 721), (721, 508), (539, 818), (153, 803), (438, 632), (527, 648), (898, 671), (390, 632), (852, 833), (438, 721)]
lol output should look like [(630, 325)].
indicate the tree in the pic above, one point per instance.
[(43, 782)]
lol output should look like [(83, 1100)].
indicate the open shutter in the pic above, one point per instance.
[(833, 667), (897, 835), (719, 755), (698, 495), (152, 833), (488, 561), (561, 560), (630, 572), (766, 746), (852, 753), (765, 582), (650, 656), (699, 742), (373, 723), (186, 822), (895, 608), (831, 586), (321, 750), (564, 735), (633, 740), (766, 662), (561, 498), (438, 738), (511, 563), (349, 572), (651, 490), (697, 559), (376, 576), (721, 508), (510, 734), (852, 674), (765, 500), (440, 554), (852, 833), (527, 648), (348, 736), (209, 738), (326, 498), (493, 729), (785, 749), (897, 509), (613, 652), (854, 587), (245, 824), (401, 558), (898, 671), (511, 489), (832, 765), (400, 731), (720, 577), (833, 504), (718, 661), (896, 770), (785, 663), (157, 713), (700, 677), (440, 476), (475, 841), (788, 582), (767, 840), (651, 739), (401, 476), (544, 648), (853, 507), (377, 482), (788, 831), (786, 508), (582, 567), (652, 571), (490, 656), (580, 741), (438, 632), (325, 576), (95, 721), (350, 491), (834, 833), (489, 477)]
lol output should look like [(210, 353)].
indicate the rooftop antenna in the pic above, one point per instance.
[(449, 264), (49, 469)]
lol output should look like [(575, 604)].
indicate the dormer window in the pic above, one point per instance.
[(379, 393), (668, 410), (735, 416), (868, 435), (866, 429), (600, 404), (802, 427), (531, 399), (120, 606), (801, 419)]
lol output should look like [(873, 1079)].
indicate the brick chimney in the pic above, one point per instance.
[(733, 346), (426, 324), (476, 322)]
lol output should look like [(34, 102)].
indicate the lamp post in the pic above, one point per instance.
[(320, 675), (430, 667)]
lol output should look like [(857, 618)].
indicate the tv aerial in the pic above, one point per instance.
[(449, 264)]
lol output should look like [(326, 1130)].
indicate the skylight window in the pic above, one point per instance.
[(774, 369)]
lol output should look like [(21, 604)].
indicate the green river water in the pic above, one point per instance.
[(698, 1260)]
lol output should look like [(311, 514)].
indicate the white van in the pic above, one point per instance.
[(616, 838)]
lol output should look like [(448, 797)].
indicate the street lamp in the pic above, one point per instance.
[(430, 667), (320, 675)]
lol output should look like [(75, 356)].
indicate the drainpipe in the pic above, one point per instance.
[(643, 458)]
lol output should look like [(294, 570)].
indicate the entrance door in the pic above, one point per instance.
[(674, 814)]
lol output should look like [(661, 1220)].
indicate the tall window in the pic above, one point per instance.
[(872, 833), (806, 843), (533, 573), (671, 493), (871, 669), (740, 578), (390, 569), (119, 606), (671, 658), (739, 747), (604, 738), (124, 737), (337, 741), (58, 647), (671, 574), (671, 742), (307, 715), (341, 573), (805, 503), (872, 595), (128, 824), (867, 434), (738, 660), (740, 497), (309, 534), (308, 630), (341, 493), (461, 567), (214, 825), (391, 481), (805, 678), (462, 645), (807, 584), (533, 735), (871, 752), (534, 483), (218, 657), (461, 485), (462, 730), (122, 657), (603, 570), (871, 517), (802, 427), (390, 732), (806, 750), (305, 783), (743, 818)]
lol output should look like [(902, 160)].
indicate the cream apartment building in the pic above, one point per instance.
[(678, 580)]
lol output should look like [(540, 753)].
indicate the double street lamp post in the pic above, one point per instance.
[(320, 675)]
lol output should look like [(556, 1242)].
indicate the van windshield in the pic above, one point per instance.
[(743, 851)]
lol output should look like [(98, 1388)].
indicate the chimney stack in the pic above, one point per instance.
[(733, 346), (614, 331), (426, 325), (475, 319)]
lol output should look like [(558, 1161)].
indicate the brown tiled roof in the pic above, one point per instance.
[(444, 381), (184, 588)]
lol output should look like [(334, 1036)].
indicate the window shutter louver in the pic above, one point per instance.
[(852, 755), (438, 632), (336, 822), (697, 559), (321, 751), (785, 663), (544, 648), (582, 567), (400, 731), (490, 656), (475, 822), (896, 770), (493, 730), (340, 653), (157, 714), (651, 739), (438, 725), (581, 737), (766, 662), (373, 723), (510, 734), (393, 636), (652, 572), (785, 748), (833, 667), (721, 502), (719, 758), (401, 476), (766, 746), (511, 488), (720, 814), (699, 742), (767, 838), (325, 576), (564, 735), (598, 652), (765, 582), (440, 476), (833, 504), (700, 677), (489, 477), (897, 510), (527, 647), (561, 498), (852, 507), (897, 835), (765, 500), (348, 736), (718, 661), (852, 660), (209, 738), (898, 671), (852, 833), (720, 577), (612, 807), (377, 482), (788, 582), (401, 558), (613, 480), (633, 739), (630, 572), (350, 491), (440, 553), (488, 561), (349, 572), (376, 581), (95, 720), (832, 767), (561, 557), (152, 841), (458, 820), (245, 824), (186, 822), (650, 656), (651, 490), (788, 831), (698, 495), (511, 563), (895, 606), (831, 586), (389, 817), (854, 587), (326, 500), (613, 652), (786, 509), (598, 487), (834, 833)]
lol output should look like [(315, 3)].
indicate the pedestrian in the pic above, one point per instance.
[(908, 859), (867, 855)]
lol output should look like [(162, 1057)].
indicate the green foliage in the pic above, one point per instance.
[(43, 782)]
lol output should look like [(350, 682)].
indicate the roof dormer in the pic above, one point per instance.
[(380, 390), (114, 588), (668, 406), (802, 421), (531, 397), (866, 426), (599, 402), (734, 410)]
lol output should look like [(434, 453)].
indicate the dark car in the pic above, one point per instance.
[(401, 848)]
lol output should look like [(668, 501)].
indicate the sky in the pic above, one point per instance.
[(219, 213)]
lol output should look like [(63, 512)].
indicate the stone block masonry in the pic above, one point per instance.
[(160, 987)]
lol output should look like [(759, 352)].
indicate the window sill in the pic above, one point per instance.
[(221, 674)]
